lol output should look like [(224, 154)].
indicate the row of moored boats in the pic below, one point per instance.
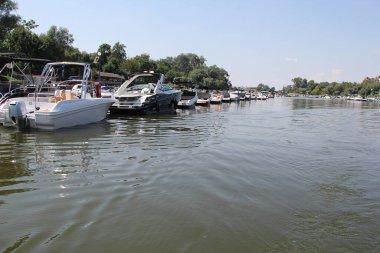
[(64, 97)]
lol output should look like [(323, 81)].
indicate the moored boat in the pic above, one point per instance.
[(226, 97), (145, 93), (261, 96), (188, 99), (216, 97), (204, 98), (63, 109), (235, 96)]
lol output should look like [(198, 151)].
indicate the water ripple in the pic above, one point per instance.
[(283, 175)]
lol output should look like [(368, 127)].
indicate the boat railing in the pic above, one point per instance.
[(10, 94)]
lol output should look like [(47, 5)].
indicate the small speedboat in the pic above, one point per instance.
[(217, 97), (60, 110), (226, 97), (188, 99), (261, 96), (203, 98), (234, 96)]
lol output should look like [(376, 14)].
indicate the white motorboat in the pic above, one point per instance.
[(240, 94), (188, 99), (235, 96), (61, 110), (359, 98), (261, 96), (226, 97), (216, 97), (204, 98), (144, 94)]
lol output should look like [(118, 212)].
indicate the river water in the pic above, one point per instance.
[(283, 175)]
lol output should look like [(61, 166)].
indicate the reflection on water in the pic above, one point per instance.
[(13, 166), (282, 175)]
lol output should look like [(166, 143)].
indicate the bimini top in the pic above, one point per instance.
[(68, 63), (18, 56)]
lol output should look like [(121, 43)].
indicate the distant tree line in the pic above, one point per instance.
[(264, 87), (57, 45), (368, 87)]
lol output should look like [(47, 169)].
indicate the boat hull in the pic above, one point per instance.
[(202, 102), (71, 113), (160, 103), (66, 113)]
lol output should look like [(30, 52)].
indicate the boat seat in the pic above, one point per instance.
[(59, 95), (45, 110), (62, 95), (69, 95)]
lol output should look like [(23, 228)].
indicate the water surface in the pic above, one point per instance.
[(283, 175)]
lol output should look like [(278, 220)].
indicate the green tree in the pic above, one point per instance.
[(139, 63), (288, 89), (118, 52), (55, 42), (262, 87), (299, 85), (310, 86), (220, 76), (102, 55), (368, 86), (316, 91), (171, 74), (8, 21), (164, 65), (117, 56), (187, 62), (22, 39), (197, 75), (74, 54)]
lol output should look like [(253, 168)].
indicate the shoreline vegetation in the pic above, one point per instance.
[(185, 70)]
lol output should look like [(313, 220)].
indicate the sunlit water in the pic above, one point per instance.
[(283, 175)]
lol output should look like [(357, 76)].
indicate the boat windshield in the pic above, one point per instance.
[(139, 87), (146, 83)]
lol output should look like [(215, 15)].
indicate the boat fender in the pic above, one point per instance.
[(17, 113)]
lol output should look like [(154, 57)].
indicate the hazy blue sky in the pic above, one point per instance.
[(267, 41)]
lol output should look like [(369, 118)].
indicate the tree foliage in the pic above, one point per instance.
[(8, 21), (55, 42), (370, 86), (104, 52), (263, 87), (22, 39)]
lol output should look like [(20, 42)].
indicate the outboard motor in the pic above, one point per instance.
[(17, 113)]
